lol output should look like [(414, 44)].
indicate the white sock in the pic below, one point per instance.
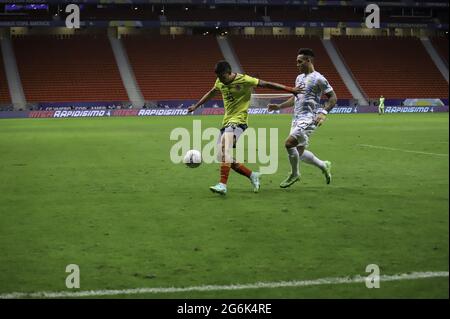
[(310, 158), (293, 159)]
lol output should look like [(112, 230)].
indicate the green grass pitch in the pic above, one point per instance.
[(103, 194)]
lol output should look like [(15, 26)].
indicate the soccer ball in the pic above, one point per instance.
[(192, 159)]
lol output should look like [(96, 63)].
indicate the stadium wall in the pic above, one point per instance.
[(206, 111), (179, 104)]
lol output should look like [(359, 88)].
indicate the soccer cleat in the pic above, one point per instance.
[(327, 171), (254, 178), (289, 181), (219, 188)]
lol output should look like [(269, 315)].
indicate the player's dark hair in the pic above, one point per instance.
[(222, 67), (306, 51)]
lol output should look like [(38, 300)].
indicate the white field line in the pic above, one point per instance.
[(400, 150), (257, 285)]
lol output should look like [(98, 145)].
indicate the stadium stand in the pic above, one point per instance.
[(392, 66), (344, 14), (170, 68), (26, 15), (207, 14), (125, 12), (442, 16), (75, 68), (4, 91), (441, 45), (274, 59)]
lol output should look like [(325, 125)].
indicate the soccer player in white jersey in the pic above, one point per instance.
[(308, 114)]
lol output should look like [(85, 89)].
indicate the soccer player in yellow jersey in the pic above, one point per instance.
[(236, 92)]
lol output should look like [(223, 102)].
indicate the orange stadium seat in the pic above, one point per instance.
[(394, 67), (172, 68), (274, 59), (4, 91), (79, 68)]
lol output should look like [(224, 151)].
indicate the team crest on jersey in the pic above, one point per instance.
[(238, 87)]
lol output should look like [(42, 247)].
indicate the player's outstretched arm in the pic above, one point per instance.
[(208, 96), (280, 87), (288, 103), (331, 102), (327, 107)]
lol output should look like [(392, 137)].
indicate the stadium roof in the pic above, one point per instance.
[(354, 3)]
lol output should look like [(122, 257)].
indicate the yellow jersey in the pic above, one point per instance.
[(236, 98)]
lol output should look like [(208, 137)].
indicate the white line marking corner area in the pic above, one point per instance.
[(257, 285), (400, 150)]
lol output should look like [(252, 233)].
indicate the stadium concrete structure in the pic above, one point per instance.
[(141, 55)]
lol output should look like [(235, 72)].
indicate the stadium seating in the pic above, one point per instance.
[(125, 12), (171, 68), (219, 14), (79, 68), (274, 59), (441, 45), (393, 67), (4, 92), (282, 13)]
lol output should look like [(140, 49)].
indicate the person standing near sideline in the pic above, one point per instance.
[(381, 105)]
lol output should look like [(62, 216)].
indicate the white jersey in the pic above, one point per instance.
[(315, 85)]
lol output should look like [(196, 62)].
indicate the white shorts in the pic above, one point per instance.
[(236, 129), (302, 128)]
